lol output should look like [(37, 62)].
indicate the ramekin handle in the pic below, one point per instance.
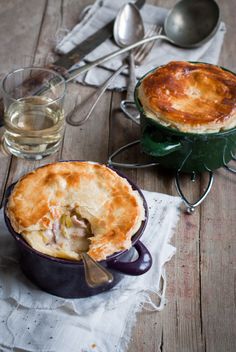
[(155, 148), (138, 267)]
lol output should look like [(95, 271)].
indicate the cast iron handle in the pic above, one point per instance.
[(154, 148), (137, 267)]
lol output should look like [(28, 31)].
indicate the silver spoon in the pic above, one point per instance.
[(189, 24), (95, 274), (192, 23), (128, 29)]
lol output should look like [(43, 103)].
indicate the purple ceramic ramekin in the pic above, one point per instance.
[(65, 278)]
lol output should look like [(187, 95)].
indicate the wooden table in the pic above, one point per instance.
[(200, 314)]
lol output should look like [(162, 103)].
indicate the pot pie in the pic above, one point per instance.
[(190, 97), (64, 208)]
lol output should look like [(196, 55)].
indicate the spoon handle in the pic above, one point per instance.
[(132, 78), (73, 74), (86, 108), (95, 274)]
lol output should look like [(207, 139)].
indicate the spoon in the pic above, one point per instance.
[(192, 23), (189, 24), (128, 29), (95, 274)]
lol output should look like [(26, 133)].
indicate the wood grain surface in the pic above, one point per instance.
[(200, 313)]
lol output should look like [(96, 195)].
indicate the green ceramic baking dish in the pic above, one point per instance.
[(186, 152)]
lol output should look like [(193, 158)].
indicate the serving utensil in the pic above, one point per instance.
[(192, 23), (189, 24), (128, 29)]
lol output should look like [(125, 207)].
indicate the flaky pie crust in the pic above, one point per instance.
[(113, 209), (190, 97)]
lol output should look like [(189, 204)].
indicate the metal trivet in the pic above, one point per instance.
[(190, 207)]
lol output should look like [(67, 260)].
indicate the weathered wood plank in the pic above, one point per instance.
[(20, 23), (89, 141), (218, 234), (218, 248)]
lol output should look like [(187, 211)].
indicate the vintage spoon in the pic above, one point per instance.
[(128, 29), (192, 23), (189, 24), (128, 26), (95, 274)]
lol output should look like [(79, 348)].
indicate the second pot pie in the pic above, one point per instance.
[(190, 97), (64, 208)]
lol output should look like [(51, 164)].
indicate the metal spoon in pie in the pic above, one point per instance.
[(95, 274)]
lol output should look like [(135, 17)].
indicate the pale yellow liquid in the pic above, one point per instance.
[(33, 127)]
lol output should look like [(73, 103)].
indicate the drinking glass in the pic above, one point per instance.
[(34, 119)]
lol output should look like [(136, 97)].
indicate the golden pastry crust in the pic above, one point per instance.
[(106, 200), (190, 97)]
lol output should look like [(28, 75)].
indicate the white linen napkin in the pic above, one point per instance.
[(33, 320), (105, 10)]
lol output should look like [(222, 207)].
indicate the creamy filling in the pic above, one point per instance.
[(69, 231)]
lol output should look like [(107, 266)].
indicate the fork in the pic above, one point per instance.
[(86, 108)]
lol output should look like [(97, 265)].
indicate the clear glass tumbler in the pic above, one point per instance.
[(34, 119)]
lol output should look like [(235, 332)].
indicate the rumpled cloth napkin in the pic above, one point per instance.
[(101, 12), (33, 320)]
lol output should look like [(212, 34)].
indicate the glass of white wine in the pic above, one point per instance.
[(34, 119)]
